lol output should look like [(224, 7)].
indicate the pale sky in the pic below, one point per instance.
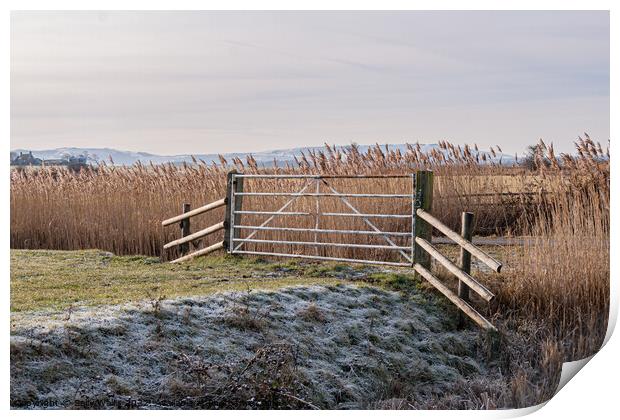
[(209, 82)]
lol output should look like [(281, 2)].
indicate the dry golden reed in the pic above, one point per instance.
[(120, 209)]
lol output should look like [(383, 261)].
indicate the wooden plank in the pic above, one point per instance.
[(200, 234), (450, 266), (195, 212), (203, 251), (491, 262), (467, 220), (460, 303), (423, 200)]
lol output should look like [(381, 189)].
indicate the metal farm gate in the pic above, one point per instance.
[(321, 193), (363, 219)]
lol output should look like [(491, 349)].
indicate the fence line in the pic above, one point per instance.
[(450, 266), (460, 303), (195, 212), (200, 234), (419, 251), (491, 262), (204, 251)]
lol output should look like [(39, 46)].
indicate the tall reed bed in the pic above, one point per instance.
[(120, 208), (563, 275)]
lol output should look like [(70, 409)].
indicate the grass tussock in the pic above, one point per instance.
[(386, 350)]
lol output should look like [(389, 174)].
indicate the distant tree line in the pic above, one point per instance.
[(28, 159)]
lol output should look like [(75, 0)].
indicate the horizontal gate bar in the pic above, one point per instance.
[(269, 219), (292, 194), (462, 305), (199, 210), (316, 257), (491, 262), (352, 232), (278, 213), (319, 176), (302, 213), (197, 235), (450, 266), (265, 241), (203, 251), (389, 216), (368, 222)]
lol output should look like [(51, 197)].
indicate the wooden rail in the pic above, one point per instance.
[(188, 237), (460, 303), (197, 235), (450, 266), (195, 212), (203, 251), (423, 223), (491, 262)]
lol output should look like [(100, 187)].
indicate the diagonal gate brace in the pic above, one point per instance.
[(368, 222), (280, 210)]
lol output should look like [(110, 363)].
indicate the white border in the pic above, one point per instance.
[(592, 394)]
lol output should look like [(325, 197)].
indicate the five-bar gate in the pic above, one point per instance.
[(339, 218), (322, 194)]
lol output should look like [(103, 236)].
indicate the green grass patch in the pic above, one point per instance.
[(396, 281), (42, 279)]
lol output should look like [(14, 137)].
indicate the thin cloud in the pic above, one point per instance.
[(208, 82)]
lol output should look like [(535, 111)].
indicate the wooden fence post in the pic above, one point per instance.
[(424, 201), (466, 232), (185, 229), (237, 187)]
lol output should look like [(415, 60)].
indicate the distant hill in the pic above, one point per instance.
[(265, 158)]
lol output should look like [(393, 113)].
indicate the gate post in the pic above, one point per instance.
[(185, 229), (466, 232), (233, 203), (424, 201)]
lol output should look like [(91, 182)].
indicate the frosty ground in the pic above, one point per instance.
[(237, 334)]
